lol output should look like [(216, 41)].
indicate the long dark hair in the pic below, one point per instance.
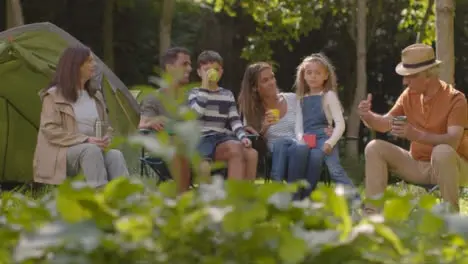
[(250, 103), (67, 76)]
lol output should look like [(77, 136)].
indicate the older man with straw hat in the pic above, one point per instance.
[(433, 116)]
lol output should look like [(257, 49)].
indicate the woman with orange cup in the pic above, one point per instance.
[(273, 114)]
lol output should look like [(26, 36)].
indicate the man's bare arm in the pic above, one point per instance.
[(452, 137), (379, 123), (156, 123), (145, 122)]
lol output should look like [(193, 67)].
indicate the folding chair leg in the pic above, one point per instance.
[(433, 189), (141, 169), (141, 162), (267, 169)]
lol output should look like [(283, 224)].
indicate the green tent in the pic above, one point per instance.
[(28, 56)]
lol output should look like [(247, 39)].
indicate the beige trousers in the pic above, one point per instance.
[(446, 169), (99, 167)]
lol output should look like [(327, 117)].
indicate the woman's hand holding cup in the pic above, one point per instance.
[(270, 119), (271, 116), (274, 114)]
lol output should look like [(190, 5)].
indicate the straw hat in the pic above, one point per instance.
[(416, 58)]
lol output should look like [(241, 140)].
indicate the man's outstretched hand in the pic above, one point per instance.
[(365, 106)]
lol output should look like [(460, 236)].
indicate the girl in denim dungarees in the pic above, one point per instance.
[(319, 106)]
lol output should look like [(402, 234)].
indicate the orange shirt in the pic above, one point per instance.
[(448, 107)]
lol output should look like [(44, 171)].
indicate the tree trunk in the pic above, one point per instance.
[(14, 13), (108, 33), (352, 144), (445, 10), (165, 26)]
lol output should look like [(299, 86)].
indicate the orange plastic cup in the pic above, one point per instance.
[(275, 113)]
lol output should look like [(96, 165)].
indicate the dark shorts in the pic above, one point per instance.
[(208, 144)]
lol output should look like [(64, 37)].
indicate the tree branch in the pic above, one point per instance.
[(373, 24), (422, 30)]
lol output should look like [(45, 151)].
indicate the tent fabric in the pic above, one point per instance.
[(28, 57)]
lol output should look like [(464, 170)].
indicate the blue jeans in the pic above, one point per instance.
[(289, 159), (314, 167)]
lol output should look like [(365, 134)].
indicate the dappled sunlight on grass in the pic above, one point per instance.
[(464, 206)]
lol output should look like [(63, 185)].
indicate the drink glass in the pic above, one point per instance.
[(275, 113), (100, 129), (399, 119)]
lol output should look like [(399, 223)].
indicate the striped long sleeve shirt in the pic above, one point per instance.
[(217, 111)]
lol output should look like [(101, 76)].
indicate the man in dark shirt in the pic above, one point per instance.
[(176, 62)]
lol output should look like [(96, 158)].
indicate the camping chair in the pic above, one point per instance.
[(264, 156), (159, 166), (428, 188), (156, 164)]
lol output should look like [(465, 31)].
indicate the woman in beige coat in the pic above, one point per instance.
[(67, 142)]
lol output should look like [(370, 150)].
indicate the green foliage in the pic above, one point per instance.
[(129, 221), (287, 21), (284, 21), (419, 18)]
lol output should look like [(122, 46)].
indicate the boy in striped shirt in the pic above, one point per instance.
[(220, 120)]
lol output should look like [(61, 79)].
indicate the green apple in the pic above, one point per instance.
[(212, 75)]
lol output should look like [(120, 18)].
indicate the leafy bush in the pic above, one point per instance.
[(129, 221)]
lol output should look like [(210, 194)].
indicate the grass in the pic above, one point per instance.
[(420, 191), (26, 190), (355, 171)]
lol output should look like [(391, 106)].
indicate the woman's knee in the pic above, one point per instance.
[(114, 155), (299, 149), (93, 150)]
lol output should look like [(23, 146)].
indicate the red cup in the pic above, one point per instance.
[(311, 140)]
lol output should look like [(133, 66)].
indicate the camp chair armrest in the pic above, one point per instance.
[(146, 131), (252, 137), (152, 160)]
